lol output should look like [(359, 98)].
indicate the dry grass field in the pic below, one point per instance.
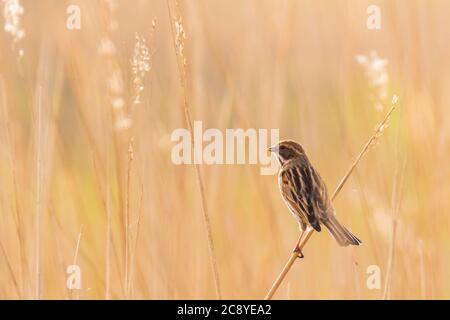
[(86, 176)]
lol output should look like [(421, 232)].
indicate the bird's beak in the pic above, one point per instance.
[(273, 149)]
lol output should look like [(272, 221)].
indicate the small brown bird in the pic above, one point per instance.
[(306, 195)]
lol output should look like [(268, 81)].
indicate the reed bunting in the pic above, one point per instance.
[(306, 195)]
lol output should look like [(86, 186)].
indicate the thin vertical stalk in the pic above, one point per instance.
[(423, 286), (135, 243), (108, 243), (75, 256), (127, 220), (12, 164), (396, 197), (38, 196), (10, 270), (188, 118), (390, 267)]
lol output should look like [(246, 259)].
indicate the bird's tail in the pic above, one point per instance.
[(342, 235)]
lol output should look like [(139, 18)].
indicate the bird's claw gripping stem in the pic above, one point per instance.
[(299, 253)]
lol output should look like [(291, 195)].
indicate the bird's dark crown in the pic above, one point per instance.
[(287, 150)]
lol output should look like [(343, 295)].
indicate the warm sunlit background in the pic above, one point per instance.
[(86, 176)]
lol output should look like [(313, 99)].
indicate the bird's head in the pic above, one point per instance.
[(287, 150)]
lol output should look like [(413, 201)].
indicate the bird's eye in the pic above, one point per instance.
[(282, 148)]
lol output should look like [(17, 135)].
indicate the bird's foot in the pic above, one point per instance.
[(299, 253)]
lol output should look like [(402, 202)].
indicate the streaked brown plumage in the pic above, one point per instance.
[(306, 195)]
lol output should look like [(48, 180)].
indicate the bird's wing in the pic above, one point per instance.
[(295, 189), (320, 195), (304, 191)]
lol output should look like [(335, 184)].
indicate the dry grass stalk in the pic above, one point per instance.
[(128, 239), (293, 257), (39, 147), (122, 123), (396, 197), (106, 198), (390, 266), (108, 243), (12, 164), (10, 270), (179, 37), (365, 208), (135, 243), (75, 256), (423, 285)]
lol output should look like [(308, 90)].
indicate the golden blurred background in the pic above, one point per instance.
[(79, 188)]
